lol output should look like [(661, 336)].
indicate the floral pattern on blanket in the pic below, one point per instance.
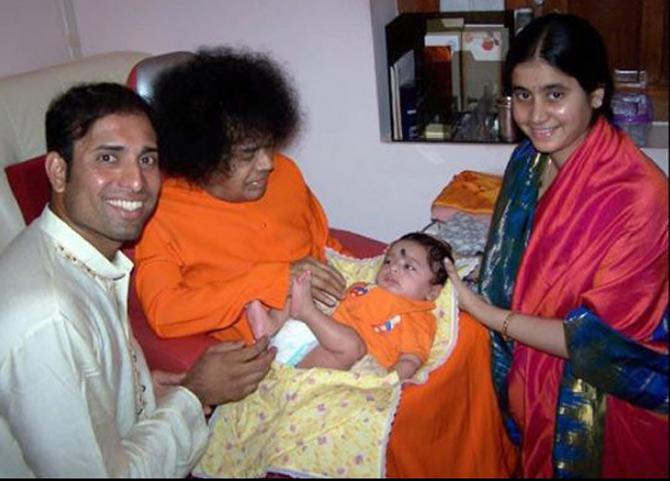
[(320, 422), (314, 422)]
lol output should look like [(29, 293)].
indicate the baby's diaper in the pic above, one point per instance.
[(293, 342)]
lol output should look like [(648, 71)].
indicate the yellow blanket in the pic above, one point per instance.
[(320, 422)]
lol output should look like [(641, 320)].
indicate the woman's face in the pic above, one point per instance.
[(250, 167), (551, 108)]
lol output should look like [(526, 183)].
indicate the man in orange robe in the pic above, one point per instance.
[(202, 259)]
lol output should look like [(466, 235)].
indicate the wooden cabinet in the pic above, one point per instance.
[(635, 32), (445, 71), (418, 6)]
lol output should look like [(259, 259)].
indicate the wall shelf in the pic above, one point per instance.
[(444, 73)]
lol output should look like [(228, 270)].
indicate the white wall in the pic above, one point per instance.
[(376, 188), (31, 35)]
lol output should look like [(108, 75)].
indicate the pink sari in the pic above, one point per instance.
[(599, 240)]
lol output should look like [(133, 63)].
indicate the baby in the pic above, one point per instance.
[(391, 319)]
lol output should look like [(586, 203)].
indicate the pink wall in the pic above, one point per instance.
[(31, 35)]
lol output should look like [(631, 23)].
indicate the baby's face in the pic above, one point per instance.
[(406, 272)]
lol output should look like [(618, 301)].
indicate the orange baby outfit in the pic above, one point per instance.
[(201, 259), (389, 324)]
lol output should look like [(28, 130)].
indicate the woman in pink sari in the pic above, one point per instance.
[(574, 282)]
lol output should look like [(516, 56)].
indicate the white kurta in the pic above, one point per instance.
[(76, 398)]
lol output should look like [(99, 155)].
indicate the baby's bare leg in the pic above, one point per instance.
[(265, 322), (339, 345)]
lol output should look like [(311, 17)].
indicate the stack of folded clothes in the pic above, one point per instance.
[(461, 213), (469, 192)]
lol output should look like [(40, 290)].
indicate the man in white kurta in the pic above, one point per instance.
[(75, 390), (76, 396)]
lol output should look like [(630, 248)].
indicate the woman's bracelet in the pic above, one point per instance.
[(505, 325)]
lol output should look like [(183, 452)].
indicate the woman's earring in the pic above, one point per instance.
[(597, 97)]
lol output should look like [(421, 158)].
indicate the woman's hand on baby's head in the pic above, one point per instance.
[(462, 291), (452, 272), (467, 298)]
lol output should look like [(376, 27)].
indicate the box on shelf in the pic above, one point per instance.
[(442, 58), (484, 50)]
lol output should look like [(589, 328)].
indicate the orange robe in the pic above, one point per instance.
[(201, 259), (451, 426), (389, 324)]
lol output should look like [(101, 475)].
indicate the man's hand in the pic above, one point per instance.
[(164, 380), (327, 283), (229, 371)]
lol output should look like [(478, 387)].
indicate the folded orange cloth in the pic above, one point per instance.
[(471, 192)]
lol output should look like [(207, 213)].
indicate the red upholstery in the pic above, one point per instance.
[(358, 244), (30, 186)]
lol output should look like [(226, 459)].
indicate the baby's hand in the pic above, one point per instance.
[(407, 366), (327, 283)]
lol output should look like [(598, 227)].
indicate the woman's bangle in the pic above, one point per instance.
[(505, 325)]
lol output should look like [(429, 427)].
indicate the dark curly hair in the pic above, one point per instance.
[(436, 251), (217, 99), (570, 44)]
